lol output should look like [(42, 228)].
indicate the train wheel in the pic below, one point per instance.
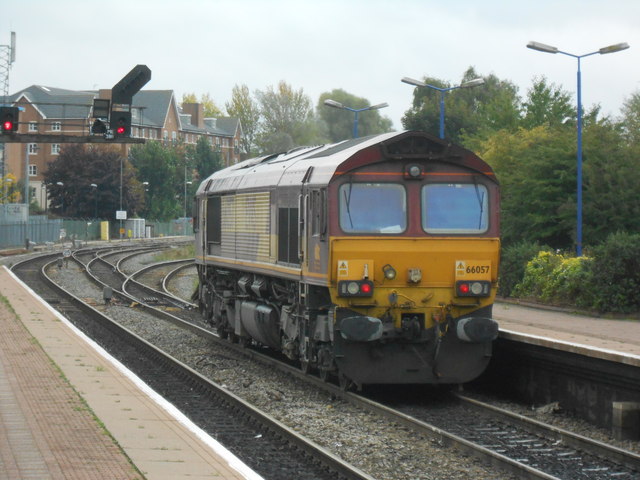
[(323, 373), (344, 382), (305, 366)]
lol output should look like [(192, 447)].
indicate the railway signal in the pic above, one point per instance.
[(9, 117), (121, 123), (122, 97)]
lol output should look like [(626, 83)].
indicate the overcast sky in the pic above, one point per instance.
[(362, 46)]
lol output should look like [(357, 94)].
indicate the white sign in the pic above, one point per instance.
[(121, 214)]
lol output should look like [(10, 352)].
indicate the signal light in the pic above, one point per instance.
[(9, 119), (120, 123), (355, 288)]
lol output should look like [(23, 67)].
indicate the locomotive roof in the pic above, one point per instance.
[(294, 167)]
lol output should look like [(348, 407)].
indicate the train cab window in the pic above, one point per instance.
[(214, 220), (455, 208), (373, 208), (288, 235), (318, 213)]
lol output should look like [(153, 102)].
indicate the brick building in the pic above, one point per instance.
[(156, 115)]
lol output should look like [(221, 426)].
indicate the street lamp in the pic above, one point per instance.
[(62, 197), (541, 47), (356, 111), (417, 83), (95, 196), (185, 206)]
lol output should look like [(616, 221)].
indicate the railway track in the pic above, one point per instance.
[(523, 448), (263, 443)]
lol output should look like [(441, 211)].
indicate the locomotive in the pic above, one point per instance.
[(374, 259)]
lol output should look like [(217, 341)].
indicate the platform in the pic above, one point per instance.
[(616, 340), (69, 410)]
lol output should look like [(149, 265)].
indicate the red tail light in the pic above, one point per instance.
[(473, 288), (355, 288)]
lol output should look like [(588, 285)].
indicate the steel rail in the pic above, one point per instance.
[(336, 465)]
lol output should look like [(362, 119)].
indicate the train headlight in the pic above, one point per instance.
[(355, 288), (413, 172), (389, 272), (473, 288)]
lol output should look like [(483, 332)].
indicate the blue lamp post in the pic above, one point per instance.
[(417, 83), (356, 111), (541, 47)]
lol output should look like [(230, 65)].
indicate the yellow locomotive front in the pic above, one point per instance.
[(375, 259), (413, 257)]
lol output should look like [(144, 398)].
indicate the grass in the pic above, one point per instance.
[(188, 251)]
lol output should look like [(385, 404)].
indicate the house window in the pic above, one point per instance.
[(56, 127), (55, 149), (33, 170), (33, 148), (33, 126)]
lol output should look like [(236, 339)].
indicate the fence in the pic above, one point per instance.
[(41, 229)]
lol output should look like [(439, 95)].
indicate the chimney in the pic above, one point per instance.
[(104, 93), (196, 110)]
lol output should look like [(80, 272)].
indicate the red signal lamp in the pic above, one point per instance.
[(9, 117)]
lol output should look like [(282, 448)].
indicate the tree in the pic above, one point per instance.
[(287, 119), (205, 159), (77, 167), (339, 123), (631, 120), (536, 169), (211, 110), (469, 112), (611, 176), (160, 166), (547, 105), (243, 107), (10, 189)]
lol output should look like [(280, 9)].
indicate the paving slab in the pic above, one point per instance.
[(48, 370)]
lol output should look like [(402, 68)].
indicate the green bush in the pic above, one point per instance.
[(607, 281), (537, 275), (569, 282), (615, 272), (513, 262)]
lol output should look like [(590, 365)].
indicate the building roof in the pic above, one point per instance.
[(221, 126), (54, 103), (150, 108), (154, 105)]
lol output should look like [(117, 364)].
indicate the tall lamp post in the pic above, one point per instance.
[(417, 83), (185, 206), (356, 111), (541, 47), (61, 184), (95, 197)]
